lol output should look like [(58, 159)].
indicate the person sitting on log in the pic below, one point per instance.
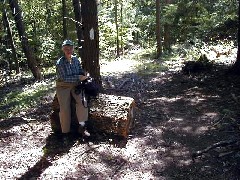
[(69, 73)]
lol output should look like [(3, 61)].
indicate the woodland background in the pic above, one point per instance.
[(160, 26), (31, 33)]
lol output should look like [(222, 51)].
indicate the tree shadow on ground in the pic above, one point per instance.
[(177, 114), (202, 111), (191, 112), (58, 145)]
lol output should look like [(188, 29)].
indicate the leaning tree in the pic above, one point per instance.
[(28, 50)]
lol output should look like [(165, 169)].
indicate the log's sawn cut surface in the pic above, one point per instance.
[(108, 114), (113, 114)]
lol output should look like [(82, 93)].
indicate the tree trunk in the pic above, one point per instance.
[(8, 59), (236, 67), (117, 28), (158, 29), (48, 19), (78, 19), (166, 42), (11, 41), (90, 52), (64, 15), (121, 33), (31, 58)]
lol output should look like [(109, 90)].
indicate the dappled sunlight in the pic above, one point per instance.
[(209, 116), (19, 99), (30, 88), (197, 127), (175, 116), (193, 97), (105, 161), (165, 99), (26, 149), (196, 100), (201, 130), (199, 93), (118, 66), (176, 119), (154, 130), (161, 152), (191, 130), (160, 77), (174, 64), (169, 151), (19, 162), (221, 53)]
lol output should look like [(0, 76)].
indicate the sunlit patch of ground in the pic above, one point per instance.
[(118, 66), (22, 149)]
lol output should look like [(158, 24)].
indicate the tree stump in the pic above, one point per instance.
[(108, 114)]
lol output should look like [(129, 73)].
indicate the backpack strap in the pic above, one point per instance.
[(85, 98)]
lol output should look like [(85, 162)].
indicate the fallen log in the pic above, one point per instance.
[(213, 146), (108, 114)]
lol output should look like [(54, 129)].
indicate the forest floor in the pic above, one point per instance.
[(178, 115)]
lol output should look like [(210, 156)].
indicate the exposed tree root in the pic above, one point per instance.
[(215, 145)]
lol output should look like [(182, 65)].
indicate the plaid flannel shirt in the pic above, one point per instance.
[(68, 72)]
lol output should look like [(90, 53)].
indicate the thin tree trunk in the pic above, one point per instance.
[(166, 42), (11, 41), (64, 15), (78, 19), (121, 32), (31, 59), (236, 67), (117, 28), (158, 29), (90, 52), (8, 58), (48, 19)]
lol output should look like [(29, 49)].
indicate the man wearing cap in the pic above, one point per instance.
[(69, 72)]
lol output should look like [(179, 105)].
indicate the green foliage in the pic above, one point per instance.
[(43, 28), (194, 20), (107, 34), (29, 96), (49, 53), (145, 20), (189, 21), (19, 100), (43, 24), (151, 67), (107, 27)]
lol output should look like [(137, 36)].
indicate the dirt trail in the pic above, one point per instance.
[(177, 115)]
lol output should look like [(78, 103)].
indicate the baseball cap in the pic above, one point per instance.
[(67, 43)]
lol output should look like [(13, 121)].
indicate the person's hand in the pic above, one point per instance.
[(82, 78)]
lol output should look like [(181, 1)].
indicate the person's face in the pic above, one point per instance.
[(68, 50)]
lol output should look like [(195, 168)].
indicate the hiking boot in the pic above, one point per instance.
[(82, 130)]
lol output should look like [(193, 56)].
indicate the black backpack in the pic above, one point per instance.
[(89, 87)]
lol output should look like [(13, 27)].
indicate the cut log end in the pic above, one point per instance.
[(113, 114)]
